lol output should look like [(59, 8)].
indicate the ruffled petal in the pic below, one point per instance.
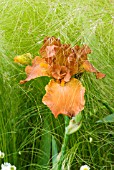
[(67, 99), (90, 68), (100, 75), (60, 72), (39, 68), (81, 52), (47, 51)]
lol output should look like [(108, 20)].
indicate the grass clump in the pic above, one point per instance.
[(27, 128)]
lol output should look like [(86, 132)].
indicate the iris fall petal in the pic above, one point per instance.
[(90, 68), (39, 68), (67, 99)]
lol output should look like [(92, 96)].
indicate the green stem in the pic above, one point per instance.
[(64, 145)]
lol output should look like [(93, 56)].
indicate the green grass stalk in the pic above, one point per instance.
[(64, 145)]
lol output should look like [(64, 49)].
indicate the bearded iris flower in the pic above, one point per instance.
[(61, 62)]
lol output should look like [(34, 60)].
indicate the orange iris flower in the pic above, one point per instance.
[(64, 93)]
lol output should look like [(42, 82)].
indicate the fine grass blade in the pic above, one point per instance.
[(45, 145), (54, 153), (107, 119)]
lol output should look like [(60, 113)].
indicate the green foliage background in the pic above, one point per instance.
[(29, 134)]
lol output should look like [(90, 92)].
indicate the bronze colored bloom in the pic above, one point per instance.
[(64, 94)]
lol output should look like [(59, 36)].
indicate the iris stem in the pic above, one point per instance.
[(64, 145)]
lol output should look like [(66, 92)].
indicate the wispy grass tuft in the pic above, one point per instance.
[(26, 125)]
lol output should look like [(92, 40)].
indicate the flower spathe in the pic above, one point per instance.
[(64, 94)]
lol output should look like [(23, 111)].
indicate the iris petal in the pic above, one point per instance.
[(67, 99), (39, 68)]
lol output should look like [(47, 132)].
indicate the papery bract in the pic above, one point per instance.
[(67, 99)]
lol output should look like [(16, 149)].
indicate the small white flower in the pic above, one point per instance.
[(90, 139), (7, 166), (85, 167), (2, 154)]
